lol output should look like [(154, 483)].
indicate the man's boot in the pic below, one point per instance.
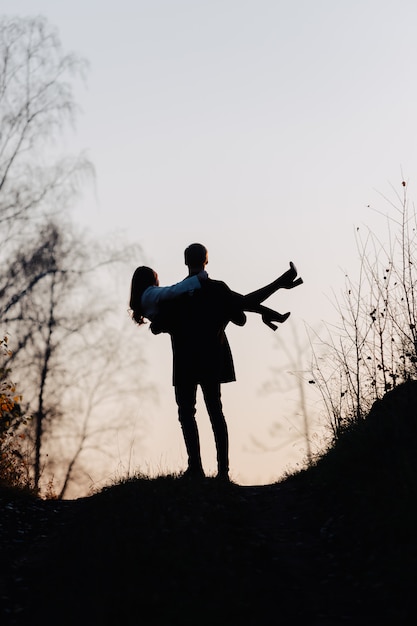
[(192, 444)]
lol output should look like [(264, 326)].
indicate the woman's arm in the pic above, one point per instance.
[(155, 294)]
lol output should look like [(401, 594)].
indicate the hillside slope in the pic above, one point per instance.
[(334, 544)]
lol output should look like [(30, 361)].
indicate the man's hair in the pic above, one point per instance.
[(195, 255)]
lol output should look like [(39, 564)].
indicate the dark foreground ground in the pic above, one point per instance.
[(335, 544), (163, 552)]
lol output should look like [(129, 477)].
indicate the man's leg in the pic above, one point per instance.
[(212, 399), (185, 396)]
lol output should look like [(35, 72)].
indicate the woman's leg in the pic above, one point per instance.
[(285, 281)]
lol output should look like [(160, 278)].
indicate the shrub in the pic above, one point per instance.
[(373, 347), (13, 467)]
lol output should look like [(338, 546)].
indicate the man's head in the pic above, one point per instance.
[(196, 257)]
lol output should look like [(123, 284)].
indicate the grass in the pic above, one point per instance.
[(333, 544)]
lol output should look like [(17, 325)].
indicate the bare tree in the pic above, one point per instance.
[(103, 404), (36, 103), (53, 296), (61, 328)]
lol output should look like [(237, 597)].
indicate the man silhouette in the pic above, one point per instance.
[(201, 351)]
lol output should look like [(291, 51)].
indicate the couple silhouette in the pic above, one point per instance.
[(195, 313)]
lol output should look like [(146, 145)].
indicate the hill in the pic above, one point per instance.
[(333, 544)]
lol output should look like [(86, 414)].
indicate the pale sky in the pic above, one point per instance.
[(264, 130)]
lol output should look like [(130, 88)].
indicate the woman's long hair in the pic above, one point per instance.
[(143, 277)]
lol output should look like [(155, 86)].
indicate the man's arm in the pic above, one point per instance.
[(162, 321)]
